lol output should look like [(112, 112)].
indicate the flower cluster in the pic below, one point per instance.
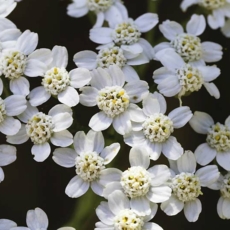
[(125, 105)]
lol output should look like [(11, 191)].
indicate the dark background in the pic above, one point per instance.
[(29, 184)]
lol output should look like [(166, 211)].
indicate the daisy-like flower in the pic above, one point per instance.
[(154, 129), (35, 219), (58, 82), (42, 128), (8, 34), (218, 10), (140, 184), (181, 79), (217, 141), (110, 55), (118, 213), (21, 60), (115, 99), (7, 156), (90, 158), (186, 185), (127, 35), (9, 107), (108, 10), (6, 7), (188, 45)]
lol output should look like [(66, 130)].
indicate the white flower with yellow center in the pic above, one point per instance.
[(186, 185), (42, 129), (217, 10), (21, 60), (127, 35), (187, 44), (6, 7), (90, 159), (111, 55), (105, 10), (114, 98), (35, 219), (144, 186), (218, 140), (118, 214), (58, 82), (181, 79), (155, 130)]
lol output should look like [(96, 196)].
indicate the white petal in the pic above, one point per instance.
[(10, 126), (113, 16), (76, 187), (212, 52), (196, 25), (159, 174), (63, 138), (97, 188), (161, 100), (134, 138), (101, 79), (94, 141), (172, 206), (77, 12), (159, 194), (140, 205), (28, 113), (172, 149), (138, 60), (192, 210), (208, 175), (109, 152), (7, 224), (118, 201), (180, 116), (130, 73), (132, 51), (187, 162), (150, 105), (100, 121), (15, 105), (118, 77), (209, 73), (79, 142), (79, 77), (151, 226), (100, 19), (7, 154), (69, 96), (170, 29), (187, 3), (220, 207), (147, 48), (111, 187), (154, 150), (60, 108), (223, 159), (41, 152), (138, 156), (88, 96), (226, 29), (2, 177), (86, 59), (20, 86), (34, 68), (146, 22), (19, 138), (122, 123), (227, 121), (37, 219), (65, 157), (201, 122), (109, 175), (135, 113), (62, 121), (1, 86), (204, 154), (27, 42), (38, 96), (60, 56), (104, 214), (42, 55), (212, 89), (101, 35)]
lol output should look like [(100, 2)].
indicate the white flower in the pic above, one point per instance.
[(35, 219), (7, 156), (42, 128), (109, 10), (118, 214), (155, 129), (90, 158), (20, 60), (8, 33), (186, 185), (140, 184), (188, 45), (114, 99), (6, 7), (181, 79), (217, 10), (9, 107), (218, 140), (110, 55), (57, 81), (127, 34)]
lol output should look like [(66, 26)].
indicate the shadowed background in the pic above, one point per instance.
[(29, 184)]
